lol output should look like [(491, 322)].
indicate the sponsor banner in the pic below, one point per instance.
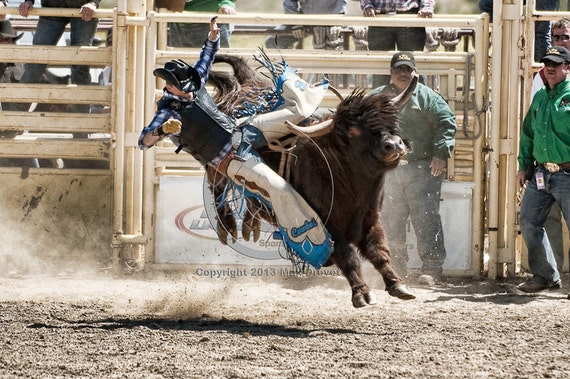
[(184, 233), (455, 210)]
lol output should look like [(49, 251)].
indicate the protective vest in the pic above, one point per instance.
[(205, 129)]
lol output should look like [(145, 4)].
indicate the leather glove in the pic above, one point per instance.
[(368, 11), (298, 31), (432, 38), (334, 38), (170, 126), (360, 37), (450, 38), (320, 37)]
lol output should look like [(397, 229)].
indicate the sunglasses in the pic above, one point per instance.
[(563, 37), (552, 64), (403, 69)]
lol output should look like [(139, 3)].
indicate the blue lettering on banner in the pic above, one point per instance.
[(308, 225)]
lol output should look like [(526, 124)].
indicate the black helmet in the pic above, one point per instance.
[(180, 74)]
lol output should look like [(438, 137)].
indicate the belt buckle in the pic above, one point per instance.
[(551, 167)]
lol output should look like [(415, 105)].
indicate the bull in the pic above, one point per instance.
[(339, 170)]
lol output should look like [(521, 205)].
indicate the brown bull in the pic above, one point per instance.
[(340, 172)]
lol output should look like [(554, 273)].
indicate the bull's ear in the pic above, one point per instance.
[(403, 98)]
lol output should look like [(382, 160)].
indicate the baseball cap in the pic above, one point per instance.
[(557, 54), (403, 58)]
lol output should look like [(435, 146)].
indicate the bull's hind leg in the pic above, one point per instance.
[(226, 222), (346, 259), (374, 248), (251, 225)]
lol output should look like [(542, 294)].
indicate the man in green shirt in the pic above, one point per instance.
[(413, 190), (191, 34), (545, 141)]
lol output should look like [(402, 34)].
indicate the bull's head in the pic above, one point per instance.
[(327, 126), (365, 129)]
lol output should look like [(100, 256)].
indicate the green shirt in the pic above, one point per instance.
[(427, 121), (207, 5), (545, 135)]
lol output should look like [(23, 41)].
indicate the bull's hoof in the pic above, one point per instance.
[(358, 301), (361, 300), (370, 298), (251, 227), (401, 291)]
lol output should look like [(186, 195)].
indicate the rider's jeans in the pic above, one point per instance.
[(535, 208), (251, 140)]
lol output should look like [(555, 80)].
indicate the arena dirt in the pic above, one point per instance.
[(185, 325)]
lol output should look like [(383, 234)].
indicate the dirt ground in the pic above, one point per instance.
[(190, 325)]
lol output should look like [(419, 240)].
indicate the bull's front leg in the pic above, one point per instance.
[(374, 248), (346, 259)]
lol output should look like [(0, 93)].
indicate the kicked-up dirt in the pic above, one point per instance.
[(188, 325)]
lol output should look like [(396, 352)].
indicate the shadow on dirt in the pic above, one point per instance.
[(498, 292), (239, 326)]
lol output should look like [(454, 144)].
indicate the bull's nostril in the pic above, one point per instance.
[(389, 146)]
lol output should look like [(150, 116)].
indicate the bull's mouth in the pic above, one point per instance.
[(395, 157)]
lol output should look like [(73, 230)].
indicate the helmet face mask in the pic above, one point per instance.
[(180, 74)]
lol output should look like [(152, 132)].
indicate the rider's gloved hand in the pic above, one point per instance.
[(170, 126)]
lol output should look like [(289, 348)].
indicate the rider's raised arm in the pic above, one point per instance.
[(209, 50)]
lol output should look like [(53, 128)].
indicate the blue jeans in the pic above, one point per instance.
[(410, 191), (535, 207), (49, 31), (386, 38), (542, 41), (486, 6), (251, 140), (554, 229), (194, 35)]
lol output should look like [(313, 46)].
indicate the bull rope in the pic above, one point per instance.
[(284, 147)]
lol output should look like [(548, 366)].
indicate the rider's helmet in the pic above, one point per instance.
[(180, 74)]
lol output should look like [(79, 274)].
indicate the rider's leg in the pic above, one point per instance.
[(299, 101), (300, 226)]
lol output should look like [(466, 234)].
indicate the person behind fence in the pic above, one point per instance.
[(9, 72), (542, 29), (545, 140), (397, 37), (189, 117), (553, 224), (3, 3), (50, 29), (412, 190), (324, 37), (190, 34)]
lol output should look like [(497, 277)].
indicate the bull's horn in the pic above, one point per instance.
[(312, 131), (402, 98)]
